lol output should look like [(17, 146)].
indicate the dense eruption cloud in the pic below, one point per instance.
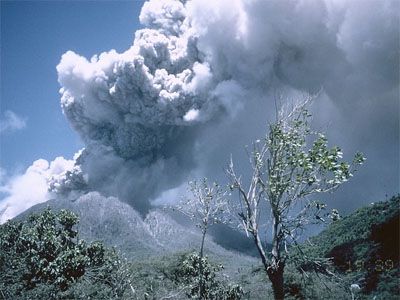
[(180, 96), (200, 81), (139, 111)]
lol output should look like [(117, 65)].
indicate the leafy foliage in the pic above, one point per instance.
[(289, 166), (43, 258), (189, 274), (206, 207), (176, 276)]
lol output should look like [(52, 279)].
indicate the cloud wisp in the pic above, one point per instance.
[(11, 122)]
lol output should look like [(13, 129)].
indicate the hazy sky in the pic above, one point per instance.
[(196, 83)]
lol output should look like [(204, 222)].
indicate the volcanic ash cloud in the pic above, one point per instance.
[(202, 72), (138, 111)]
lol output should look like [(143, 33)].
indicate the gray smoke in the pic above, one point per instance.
[(201, 80)]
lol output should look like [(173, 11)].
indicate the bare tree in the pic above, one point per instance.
[(206, 206), (291, 164)]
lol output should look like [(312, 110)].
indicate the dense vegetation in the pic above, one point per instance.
[(364, 249), (42, 257), (177, 277)]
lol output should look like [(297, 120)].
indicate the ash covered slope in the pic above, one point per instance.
[(106, 219), (119, 225)]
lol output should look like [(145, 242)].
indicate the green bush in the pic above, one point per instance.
[(42, 258), (188, 273)]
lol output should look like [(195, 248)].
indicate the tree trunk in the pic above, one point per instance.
[(276, 268), (201, 279), (276, 278), (202, 243)]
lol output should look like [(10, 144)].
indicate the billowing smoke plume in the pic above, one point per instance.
[(139, 111), (201, 80)]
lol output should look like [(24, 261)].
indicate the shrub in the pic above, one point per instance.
[(188, 273), (43, 258)]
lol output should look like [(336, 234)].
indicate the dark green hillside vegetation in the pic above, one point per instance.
[(375, 224), (364, 249)]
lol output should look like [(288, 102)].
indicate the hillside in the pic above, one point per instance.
[(374, 223), (119, 225), (155, 245), (364, 248)]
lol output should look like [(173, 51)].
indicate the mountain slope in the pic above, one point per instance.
[(106, 219), (364, 247), (119, 225), (155, 246)]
